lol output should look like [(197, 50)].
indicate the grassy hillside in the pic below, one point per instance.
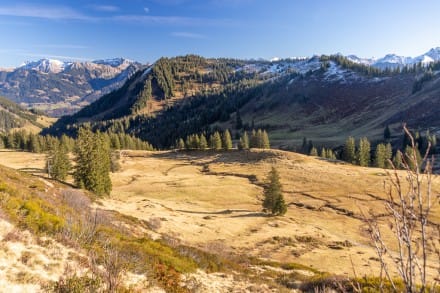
[(207, 206), (55, 238)]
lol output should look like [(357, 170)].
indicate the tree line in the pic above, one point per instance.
[(31, 142), (382, 154), (223, 141)]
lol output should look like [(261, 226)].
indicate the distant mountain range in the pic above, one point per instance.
[(393, 61), (59, 88)]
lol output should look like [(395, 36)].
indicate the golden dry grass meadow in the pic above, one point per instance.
[(213, 201)]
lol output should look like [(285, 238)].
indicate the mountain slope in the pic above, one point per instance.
[(60, 88), (323, 98), (12, 116)]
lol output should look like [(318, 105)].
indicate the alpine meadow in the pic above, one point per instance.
[(160, 146)]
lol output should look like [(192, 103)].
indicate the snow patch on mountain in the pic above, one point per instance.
[(57, 66), (394, 61), (46, 65)]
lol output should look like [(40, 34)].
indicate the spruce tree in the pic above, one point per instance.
[(409, 158), (273, 201), (92, 168), (265, 144), (180, 144), (363, 155), (314, 152), (244, 141), (216, 141), (226, 140), (388, 155), (304, 146), (253, 143), (203, 144), (350, 150), (58, 163), (380, 156), (397, 160), (323, 153), (33, 144)]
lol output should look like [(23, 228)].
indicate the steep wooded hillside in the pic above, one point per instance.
[(13, 117), (323, 98)]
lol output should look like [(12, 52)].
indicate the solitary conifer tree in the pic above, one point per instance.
[(273, 201)]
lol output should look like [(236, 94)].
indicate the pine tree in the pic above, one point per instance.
[(33, 144), (330, 154), (203, 144), (180, 144), (304, 146), (350, 150), (380, 156), (244, 141), (409, 158), (226, 140), (363, 155), (397, 160), (216, 141), (388, 155), (58, 163), (265, 144), (253, 143), (314, 152), (92, 162), (273, 201), (323, 153)]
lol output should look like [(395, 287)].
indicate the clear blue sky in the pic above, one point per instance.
[(144, 30)]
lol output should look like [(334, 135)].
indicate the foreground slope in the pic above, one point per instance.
[(212, 201), (53, 238)]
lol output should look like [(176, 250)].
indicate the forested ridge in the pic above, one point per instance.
[(13, 116)]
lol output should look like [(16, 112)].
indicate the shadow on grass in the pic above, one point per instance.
[(224, 212), (252, 215), (32, 170)]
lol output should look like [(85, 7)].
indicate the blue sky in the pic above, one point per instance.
[(145, 30)]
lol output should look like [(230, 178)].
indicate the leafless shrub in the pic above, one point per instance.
[(110, 266), (410, 202), (75, 199)]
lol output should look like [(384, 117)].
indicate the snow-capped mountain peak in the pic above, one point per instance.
[(46, 65)]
